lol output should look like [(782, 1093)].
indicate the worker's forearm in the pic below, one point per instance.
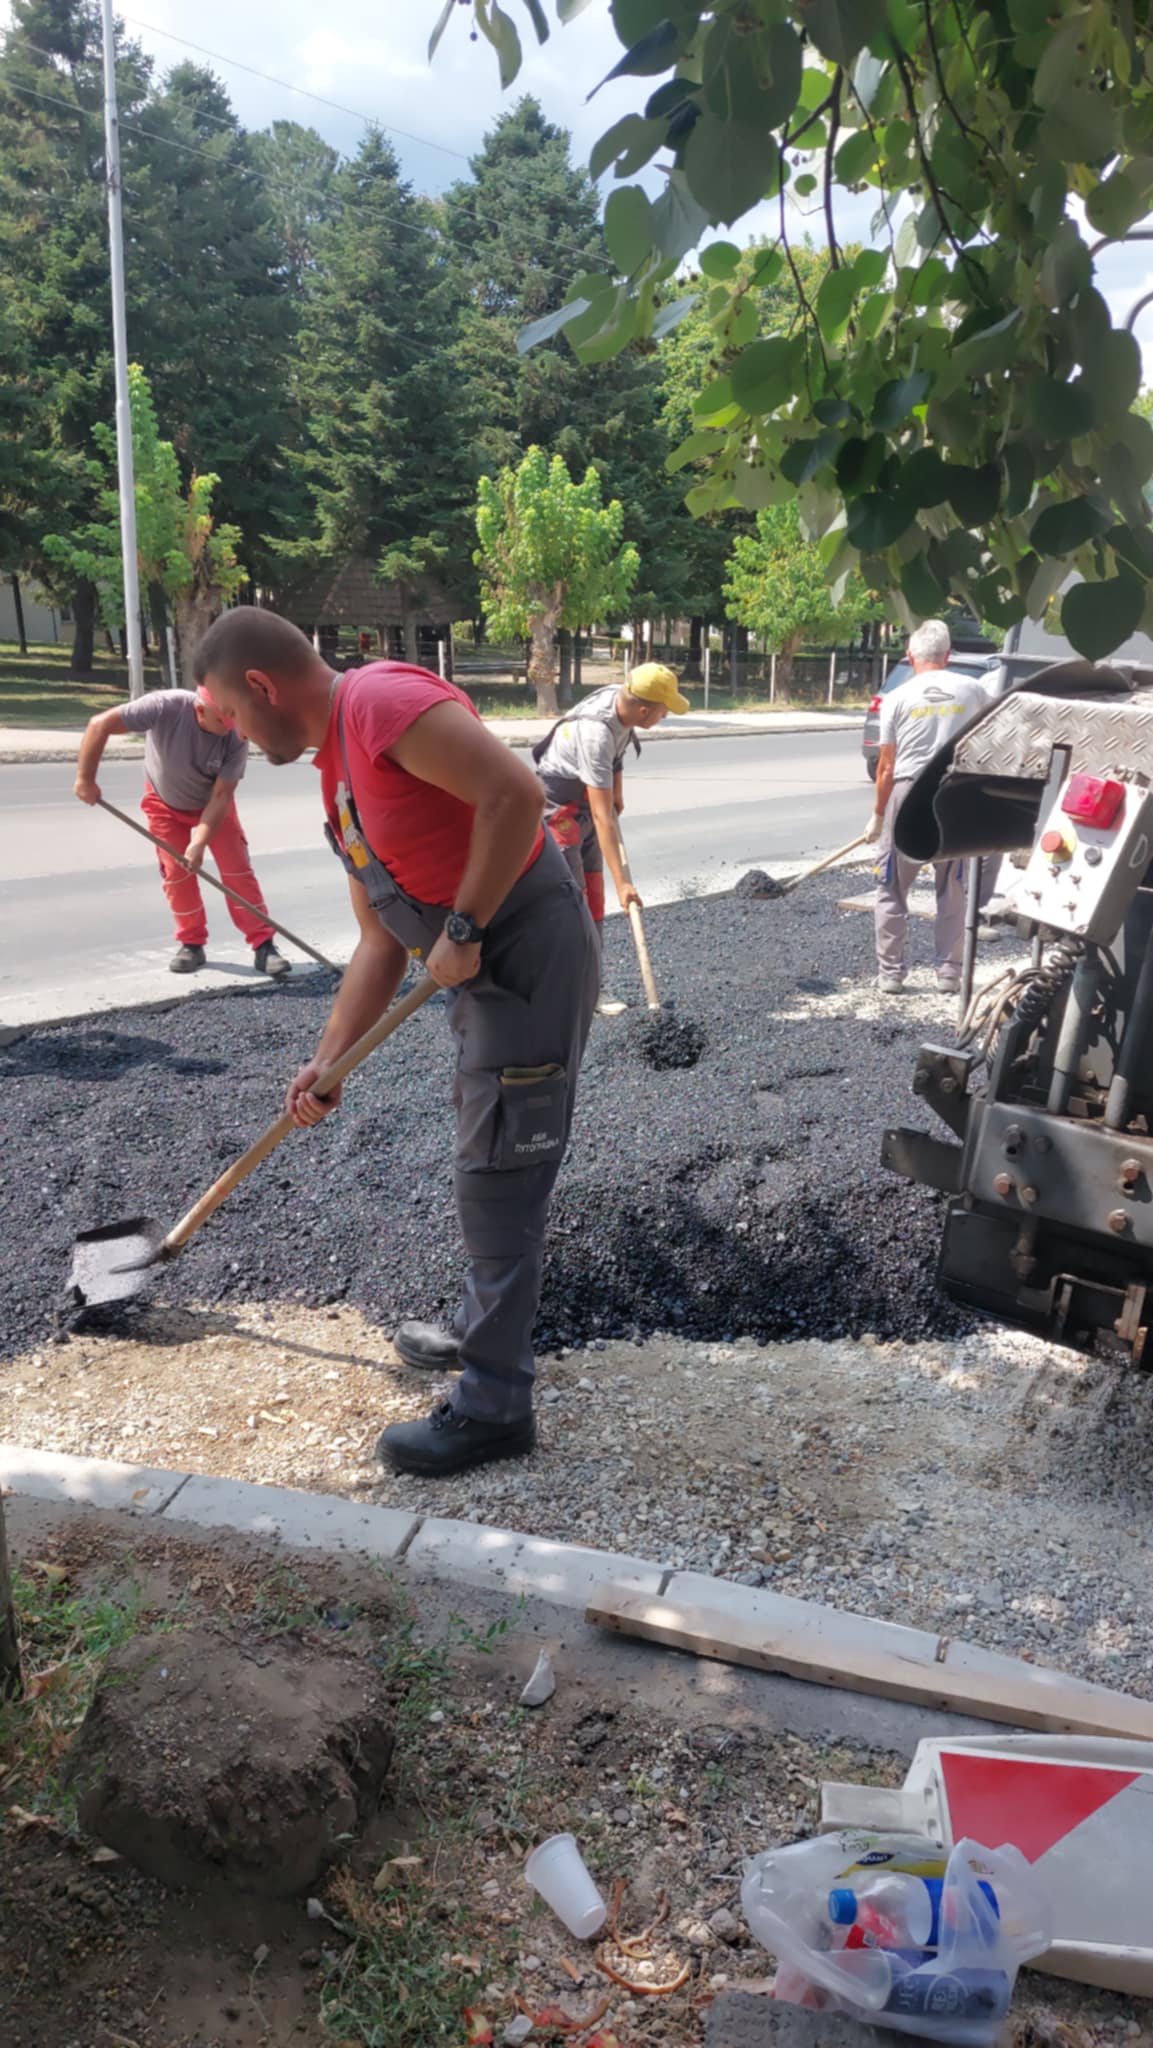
[(96, 736), (503, 834), (211, 819), (609, 841), (884, 789), (371, 979)]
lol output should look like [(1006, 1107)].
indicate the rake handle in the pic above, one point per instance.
[(276, 1133), (222, 886), (638, 929)]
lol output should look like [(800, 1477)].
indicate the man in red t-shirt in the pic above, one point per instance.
[(438, 826)]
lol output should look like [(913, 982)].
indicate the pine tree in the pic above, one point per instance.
[(375, 385), (297, 167), (55, 339), (210, 300)]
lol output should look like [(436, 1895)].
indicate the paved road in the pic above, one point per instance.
[(83, 924)]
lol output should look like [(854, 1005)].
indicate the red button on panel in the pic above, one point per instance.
[(1056, 844), (1093, 801)]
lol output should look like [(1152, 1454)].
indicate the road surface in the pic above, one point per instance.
[(84, 926)]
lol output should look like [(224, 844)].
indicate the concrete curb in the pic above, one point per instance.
[(500, 1561)]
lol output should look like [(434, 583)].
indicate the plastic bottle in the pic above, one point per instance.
[(892, 1909)]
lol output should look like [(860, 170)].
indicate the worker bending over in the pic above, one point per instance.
[(193, 761), (438, 826), (581, 764), (918, 718)]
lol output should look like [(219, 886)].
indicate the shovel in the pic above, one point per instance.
[(665, 1041), (111, 1264), (222, 886), (830, 861), (639, 940)]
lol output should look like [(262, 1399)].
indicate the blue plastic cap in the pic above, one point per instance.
[(843, 1906)]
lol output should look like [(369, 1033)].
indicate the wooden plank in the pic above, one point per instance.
[(920, 905), (833, 1649)]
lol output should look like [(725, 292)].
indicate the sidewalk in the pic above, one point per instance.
[(45, 743)]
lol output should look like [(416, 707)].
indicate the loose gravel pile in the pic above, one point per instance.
[(741, 1196)]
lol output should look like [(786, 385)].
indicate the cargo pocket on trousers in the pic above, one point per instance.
[(532, 1116)]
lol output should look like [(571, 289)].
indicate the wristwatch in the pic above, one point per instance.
[(463, 930)]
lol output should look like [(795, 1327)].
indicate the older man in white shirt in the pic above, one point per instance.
[(917, 720)]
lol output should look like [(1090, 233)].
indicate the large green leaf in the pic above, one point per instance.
[(764, 375), (629, 144), (704, 441), (502, 33), (729, 166), (633, 19), (877, 519), (974, 494), (920, 588), (1020, 476), (720, 260), (1061, 411), (1112, 372), (670, 316), (1081, 126), (860, 463), (443, 19), (1117, 203), (678, 221), (1063, 528), (752, 76), (925, 479), (898, 398), (654, 53), (629, 228), (835, 297), (841, 28), (802, 459), (856, 157), (1066, 267), (1097, 617), (550, 324), (567, 10), (539, 20), (1133, 545)]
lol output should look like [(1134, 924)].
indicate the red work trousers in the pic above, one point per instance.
[(229, 849)]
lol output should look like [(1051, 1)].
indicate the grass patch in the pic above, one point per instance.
[(66, 1639), (36, 689), (398, 1982)]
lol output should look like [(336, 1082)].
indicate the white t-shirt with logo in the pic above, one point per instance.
[(919, 717)]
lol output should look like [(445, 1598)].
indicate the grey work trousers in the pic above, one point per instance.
[(520, 1030), (896, 874)]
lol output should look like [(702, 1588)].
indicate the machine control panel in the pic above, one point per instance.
[(1093, 847)]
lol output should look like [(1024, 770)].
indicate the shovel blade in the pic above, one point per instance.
[(113, 1263)]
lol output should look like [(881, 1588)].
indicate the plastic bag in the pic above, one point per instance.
[(888, 1929)]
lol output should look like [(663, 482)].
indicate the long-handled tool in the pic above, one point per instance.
[(830, 861), (112, 1263), (664, 1040), (638, 928), (222, 886)]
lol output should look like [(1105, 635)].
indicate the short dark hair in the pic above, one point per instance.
[(250, 637)]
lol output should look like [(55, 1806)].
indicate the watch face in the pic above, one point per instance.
[(460, 928)]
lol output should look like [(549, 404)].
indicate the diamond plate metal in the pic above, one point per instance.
[(1017, 735)]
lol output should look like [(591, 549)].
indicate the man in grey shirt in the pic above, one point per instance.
[(917, 719), (193, 761), (581, 764)]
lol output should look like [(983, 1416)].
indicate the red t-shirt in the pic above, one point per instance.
[(420, 832)]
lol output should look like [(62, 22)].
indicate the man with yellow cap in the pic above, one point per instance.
[(581, 764)]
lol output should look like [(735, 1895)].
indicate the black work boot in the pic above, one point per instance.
[(267, 960), (186, 960), (447, 1441), (423, 1344)]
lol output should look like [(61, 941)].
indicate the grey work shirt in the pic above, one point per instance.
[(919, 717), (181, 760), (587, 751)]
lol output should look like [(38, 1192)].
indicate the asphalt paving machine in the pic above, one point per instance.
[(1047, 1088)]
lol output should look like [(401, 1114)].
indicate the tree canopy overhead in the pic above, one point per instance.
[(953, 406)]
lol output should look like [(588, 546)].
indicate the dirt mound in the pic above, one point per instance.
[(759, 887), (207, 1761)]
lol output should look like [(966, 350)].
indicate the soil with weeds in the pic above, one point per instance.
[(429, 1937)]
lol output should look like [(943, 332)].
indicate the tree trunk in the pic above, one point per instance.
[(542, 663), (194, 615), (18, 607), (11, 1679), (411, 629), (785, 657), (565, 692), (83, 627), (577, 650), (693, 669)]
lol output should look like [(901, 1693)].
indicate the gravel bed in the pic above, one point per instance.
[(992, 1487), (741, 1196)]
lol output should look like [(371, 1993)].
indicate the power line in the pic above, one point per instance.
[(582, 254), (424, 141)]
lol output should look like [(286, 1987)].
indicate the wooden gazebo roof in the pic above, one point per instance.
[(351, 594)]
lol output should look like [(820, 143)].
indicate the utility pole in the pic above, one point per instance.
[(125, 471)]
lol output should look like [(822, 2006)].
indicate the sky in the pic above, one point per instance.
[(368, 60)]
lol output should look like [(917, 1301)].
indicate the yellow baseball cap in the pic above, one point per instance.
[(656, 684)]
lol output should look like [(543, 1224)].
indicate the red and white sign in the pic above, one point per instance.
[(1081, 1810)]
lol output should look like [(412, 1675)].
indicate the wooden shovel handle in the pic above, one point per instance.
[(324, 1084), (829, 861), (638, 928)]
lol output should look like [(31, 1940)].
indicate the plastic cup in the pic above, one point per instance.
[(557, 1871)]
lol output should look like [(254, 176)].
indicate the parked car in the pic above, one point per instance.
[(966, 664)]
